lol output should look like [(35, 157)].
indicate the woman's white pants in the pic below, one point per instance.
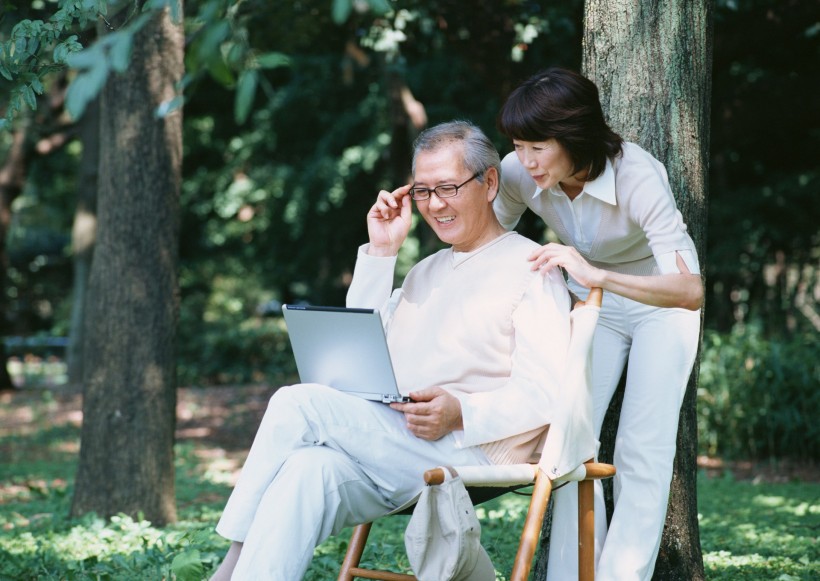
[(659, 346), (323, 460)]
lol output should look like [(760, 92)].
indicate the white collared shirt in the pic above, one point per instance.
[(624, 216), (584, 212)]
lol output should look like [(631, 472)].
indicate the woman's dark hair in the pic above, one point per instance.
[(561, 104)]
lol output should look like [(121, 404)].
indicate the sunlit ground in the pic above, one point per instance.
[(749, 530), (35, 371)]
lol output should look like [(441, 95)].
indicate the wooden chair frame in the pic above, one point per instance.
[(528, 542)]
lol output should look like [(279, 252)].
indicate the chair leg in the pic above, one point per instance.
[(358, 541), (586, 531), (532, 528)]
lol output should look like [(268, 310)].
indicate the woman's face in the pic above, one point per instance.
[(547, 162)]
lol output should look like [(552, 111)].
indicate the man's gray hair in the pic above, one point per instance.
[(479, 152)]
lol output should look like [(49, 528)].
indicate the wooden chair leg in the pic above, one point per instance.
[(586, 531), (532, 528), (350, 566), (358, 541)]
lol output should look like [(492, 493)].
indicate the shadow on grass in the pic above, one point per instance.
[(759, 530)]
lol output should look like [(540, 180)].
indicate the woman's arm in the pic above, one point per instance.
[(683, 290)]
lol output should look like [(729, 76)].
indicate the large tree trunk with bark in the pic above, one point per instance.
[(126, 458), (652, 63)]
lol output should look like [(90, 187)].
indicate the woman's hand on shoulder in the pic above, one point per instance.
[(554, 255)]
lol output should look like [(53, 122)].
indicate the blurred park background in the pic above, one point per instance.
[(282, 160), (295, 114)]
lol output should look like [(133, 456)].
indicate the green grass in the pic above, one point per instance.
[(748, 530), (759, 531)]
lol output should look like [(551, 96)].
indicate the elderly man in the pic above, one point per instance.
[(477, 339)]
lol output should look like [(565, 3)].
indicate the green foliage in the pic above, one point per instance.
[(37, 48), (220, 47), (110, 54), (762, 253), (758, 397), (187, 566)]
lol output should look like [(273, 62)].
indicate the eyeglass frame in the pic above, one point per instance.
[(431, 191)]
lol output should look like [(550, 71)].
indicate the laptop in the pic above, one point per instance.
[(342, 348)]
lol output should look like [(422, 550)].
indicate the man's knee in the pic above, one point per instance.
[(333, 481), (289, 399), (319, 464)]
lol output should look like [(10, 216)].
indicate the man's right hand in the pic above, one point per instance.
[(389, 220)]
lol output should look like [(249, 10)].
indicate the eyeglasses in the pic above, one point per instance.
[(442, 191)]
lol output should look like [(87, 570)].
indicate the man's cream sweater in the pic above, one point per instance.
[(483, 326)]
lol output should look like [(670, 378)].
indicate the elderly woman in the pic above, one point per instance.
[(610, 204)]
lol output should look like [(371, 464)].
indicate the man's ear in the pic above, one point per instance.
[(491, 178)]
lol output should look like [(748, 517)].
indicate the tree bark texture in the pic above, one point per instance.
[(652, 63), (126, 457)]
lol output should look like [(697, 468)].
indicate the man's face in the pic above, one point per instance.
[(465, 221)]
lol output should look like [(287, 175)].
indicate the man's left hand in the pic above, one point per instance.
[(433, 413)]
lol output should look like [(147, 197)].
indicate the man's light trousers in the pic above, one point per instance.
[(659, 346), (323, 460)]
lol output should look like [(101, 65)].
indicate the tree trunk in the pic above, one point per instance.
[(126, 458), (83, 233), (652, 63)]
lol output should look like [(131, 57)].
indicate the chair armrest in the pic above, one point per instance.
[(516, 474), (493, 475)]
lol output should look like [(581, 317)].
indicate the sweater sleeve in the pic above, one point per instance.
[(372, 284), (527, 400)]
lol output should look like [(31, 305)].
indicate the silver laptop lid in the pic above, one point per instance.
[(342, 348)]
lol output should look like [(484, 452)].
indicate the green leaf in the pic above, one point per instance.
[(187, 566), (220, 72), (20, 48), (341, 10), (121, 52), (167, 107), (380, 6), (30, 97), (272, 60), (85, 59), (5, 72), (245, 91), (212, 39), (85, 88)]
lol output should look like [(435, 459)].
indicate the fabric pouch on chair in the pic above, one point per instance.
[(443, 537)]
